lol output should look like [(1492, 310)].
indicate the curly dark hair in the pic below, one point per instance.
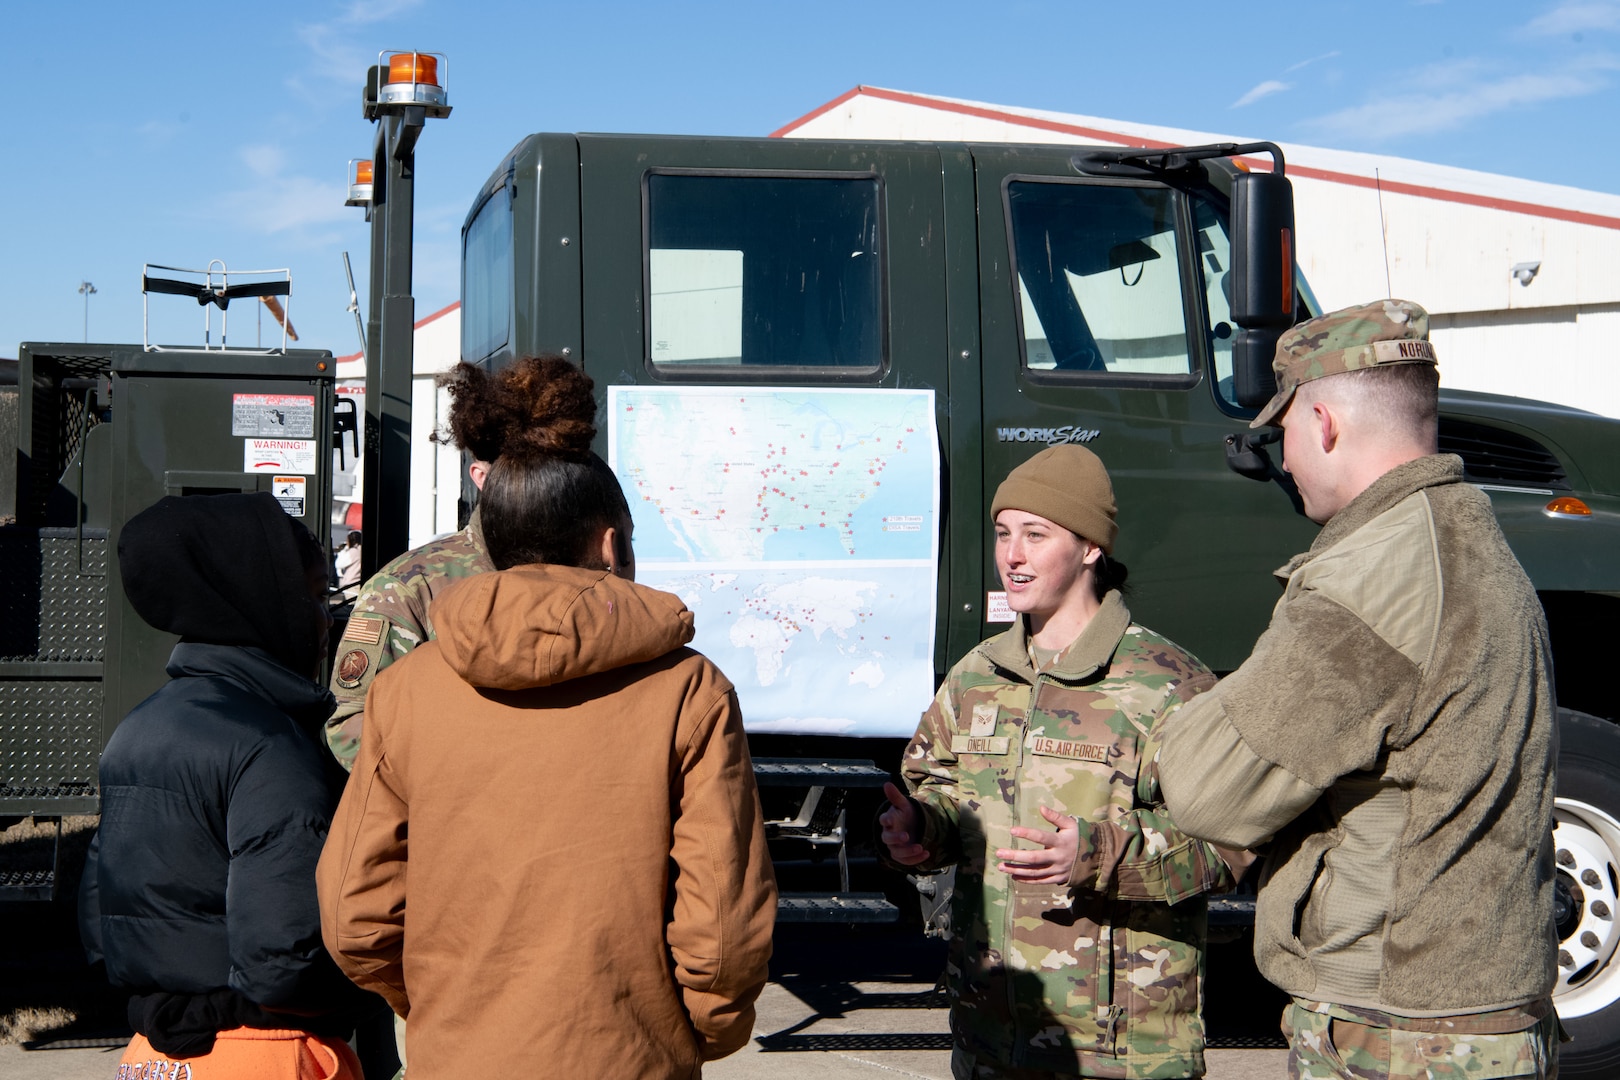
[(541, 404), (548, 498)]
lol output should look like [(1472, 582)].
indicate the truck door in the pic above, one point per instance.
[(1104, 322)]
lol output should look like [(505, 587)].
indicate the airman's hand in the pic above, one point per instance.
[(899, 824), (1053, 861)]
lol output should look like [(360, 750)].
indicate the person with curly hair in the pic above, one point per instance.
[(461, 880), (391, 614)]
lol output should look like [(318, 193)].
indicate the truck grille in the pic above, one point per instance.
[(1493, 456)]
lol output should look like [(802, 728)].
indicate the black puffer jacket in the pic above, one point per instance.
[(216, 793), (215, 805)]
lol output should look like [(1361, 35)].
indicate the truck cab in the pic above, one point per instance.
[(1011, 297)]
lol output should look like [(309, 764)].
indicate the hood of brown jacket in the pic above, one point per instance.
[(541, 625)]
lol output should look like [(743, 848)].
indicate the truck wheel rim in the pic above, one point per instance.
[(1587, 843)]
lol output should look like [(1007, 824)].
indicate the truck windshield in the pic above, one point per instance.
[(764, 270), (1098, 279)]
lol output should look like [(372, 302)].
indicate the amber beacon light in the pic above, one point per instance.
[(360, 185), (414, 78)]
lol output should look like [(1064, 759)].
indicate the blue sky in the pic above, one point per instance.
[(178, 133)]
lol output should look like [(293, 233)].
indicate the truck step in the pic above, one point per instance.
[(1235, 910), (27, 885), (808, 772), (835, 908)]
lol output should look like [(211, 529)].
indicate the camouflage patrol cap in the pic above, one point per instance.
[(1368, 335)]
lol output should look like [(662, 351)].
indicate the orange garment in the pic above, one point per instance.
[(246, 1054), (550, 854)]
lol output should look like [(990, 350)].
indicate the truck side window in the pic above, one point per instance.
[(1098, 280), (486, 278), (764, 270)]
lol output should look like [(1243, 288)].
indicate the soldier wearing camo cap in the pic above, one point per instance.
[(1079, 913), (1390, 740)]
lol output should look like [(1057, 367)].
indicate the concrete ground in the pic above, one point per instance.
[(817, 1029), (842, 1004), (848, 1031)]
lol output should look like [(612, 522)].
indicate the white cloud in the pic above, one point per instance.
[(336, 56), (290, 204), (263, 160), (1463, 95), (1265, 89), (1315, 59), (1576, 16)]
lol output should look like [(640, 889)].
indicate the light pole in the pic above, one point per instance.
[(403, 91), (86, 290)]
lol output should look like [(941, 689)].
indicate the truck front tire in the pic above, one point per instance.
[(1586, 839)]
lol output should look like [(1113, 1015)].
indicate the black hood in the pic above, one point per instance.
[(222, 570)]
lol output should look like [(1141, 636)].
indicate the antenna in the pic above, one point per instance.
[(1383, 231), (354, 303)]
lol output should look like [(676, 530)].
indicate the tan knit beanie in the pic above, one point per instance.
[(1066, 484)]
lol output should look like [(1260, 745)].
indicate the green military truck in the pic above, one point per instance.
[(818, 358)]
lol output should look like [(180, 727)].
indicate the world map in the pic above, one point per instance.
[(800, 527)]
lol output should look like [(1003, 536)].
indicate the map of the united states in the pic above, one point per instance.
[(800, 528)]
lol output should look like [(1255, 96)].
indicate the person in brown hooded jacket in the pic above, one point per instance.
[(550, 855)]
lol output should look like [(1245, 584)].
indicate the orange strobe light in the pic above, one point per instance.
[(360, 186), (414, 78), (413, 67), (1568, 506)]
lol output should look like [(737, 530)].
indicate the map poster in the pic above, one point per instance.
[(801, 527)]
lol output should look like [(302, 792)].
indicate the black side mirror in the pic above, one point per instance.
[(1262, 279)]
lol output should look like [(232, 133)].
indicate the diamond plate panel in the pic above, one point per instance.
[(53, 594), (72, 597), (49, 737)]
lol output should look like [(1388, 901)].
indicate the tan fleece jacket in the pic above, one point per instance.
[(1393, 729), (550, 853)]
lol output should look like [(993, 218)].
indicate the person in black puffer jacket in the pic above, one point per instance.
[(216, 798)]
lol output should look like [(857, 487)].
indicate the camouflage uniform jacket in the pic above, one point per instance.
[(390, 619), (1102, 977)]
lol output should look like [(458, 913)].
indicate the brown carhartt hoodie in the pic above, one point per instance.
[(550, 854)]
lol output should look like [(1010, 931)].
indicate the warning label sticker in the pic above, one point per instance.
[(289, 492), (287, 416), (278, 456), (996, 609)]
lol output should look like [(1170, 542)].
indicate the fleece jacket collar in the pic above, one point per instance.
[(1397, 484), (1082, 658)]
